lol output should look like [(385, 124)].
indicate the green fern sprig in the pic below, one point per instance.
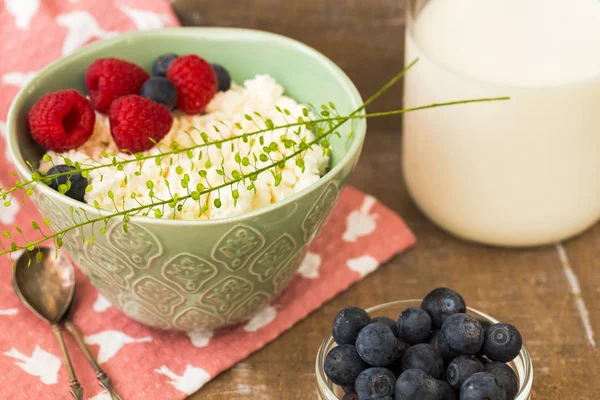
[(323, 127)]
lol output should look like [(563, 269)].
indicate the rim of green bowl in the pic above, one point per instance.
[(200, 33)]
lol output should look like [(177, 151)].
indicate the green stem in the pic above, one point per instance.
[(340, 121)]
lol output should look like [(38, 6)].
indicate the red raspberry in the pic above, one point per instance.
[(109, 78), (196, 83), (135, 119), (62, 120)]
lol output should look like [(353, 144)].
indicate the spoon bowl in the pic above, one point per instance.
[(46, 285)]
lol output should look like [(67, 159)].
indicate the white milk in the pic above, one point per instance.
[(520, 172)]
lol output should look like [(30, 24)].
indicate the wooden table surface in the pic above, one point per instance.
[(550, 293)]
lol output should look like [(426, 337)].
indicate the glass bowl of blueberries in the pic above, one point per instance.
[(431, 349)]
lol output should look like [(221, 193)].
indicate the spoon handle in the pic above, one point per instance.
[(103, 379), (76, 389)]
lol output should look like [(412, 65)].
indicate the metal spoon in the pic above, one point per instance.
[(47, 287)]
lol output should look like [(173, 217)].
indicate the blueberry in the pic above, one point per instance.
[(461, 369), (416, 384), (348, 324), (396, 366), (374, 383), (434, 340), (446, 392), (482, 386), (441, 303), (390, 323), (506, 377), (223, 77), (378, 346), (351, 396), (414, 325), (343, 365), (78, 182), (462, 335), (160, 90), (503, 342), (485, 324), (423, 356), (348, 388), (162, 64)]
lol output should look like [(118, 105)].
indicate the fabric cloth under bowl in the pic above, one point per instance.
[(145, 363)]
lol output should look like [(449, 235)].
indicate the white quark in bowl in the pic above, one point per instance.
[(262, 95)]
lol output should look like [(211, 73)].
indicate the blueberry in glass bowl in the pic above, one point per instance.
[(516, 375)]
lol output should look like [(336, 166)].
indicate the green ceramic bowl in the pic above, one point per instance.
[(194, 275)]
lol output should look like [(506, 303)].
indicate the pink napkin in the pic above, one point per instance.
[(146, 363)]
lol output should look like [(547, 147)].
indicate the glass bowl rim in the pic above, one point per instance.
[(325, 393)]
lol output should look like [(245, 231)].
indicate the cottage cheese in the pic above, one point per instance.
[(261, 94)]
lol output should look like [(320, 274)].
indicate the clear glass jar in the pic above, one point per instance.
[(521, 172), (326, 390)]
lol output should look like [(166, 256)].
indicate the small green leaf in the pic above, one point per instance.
[(103, 230), (35, 225), (46, 221), (305, 112), (195, 196), (235, 194), (200, 187), (235, 174), (88, 188), (29, 191), (157, 213), (269, 124), (217, 203), (247, 117), (47, 158), (111, 195), (59, 242), (263, 157), (245, 161), (179, 170), (6, 234), (63, 188)]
